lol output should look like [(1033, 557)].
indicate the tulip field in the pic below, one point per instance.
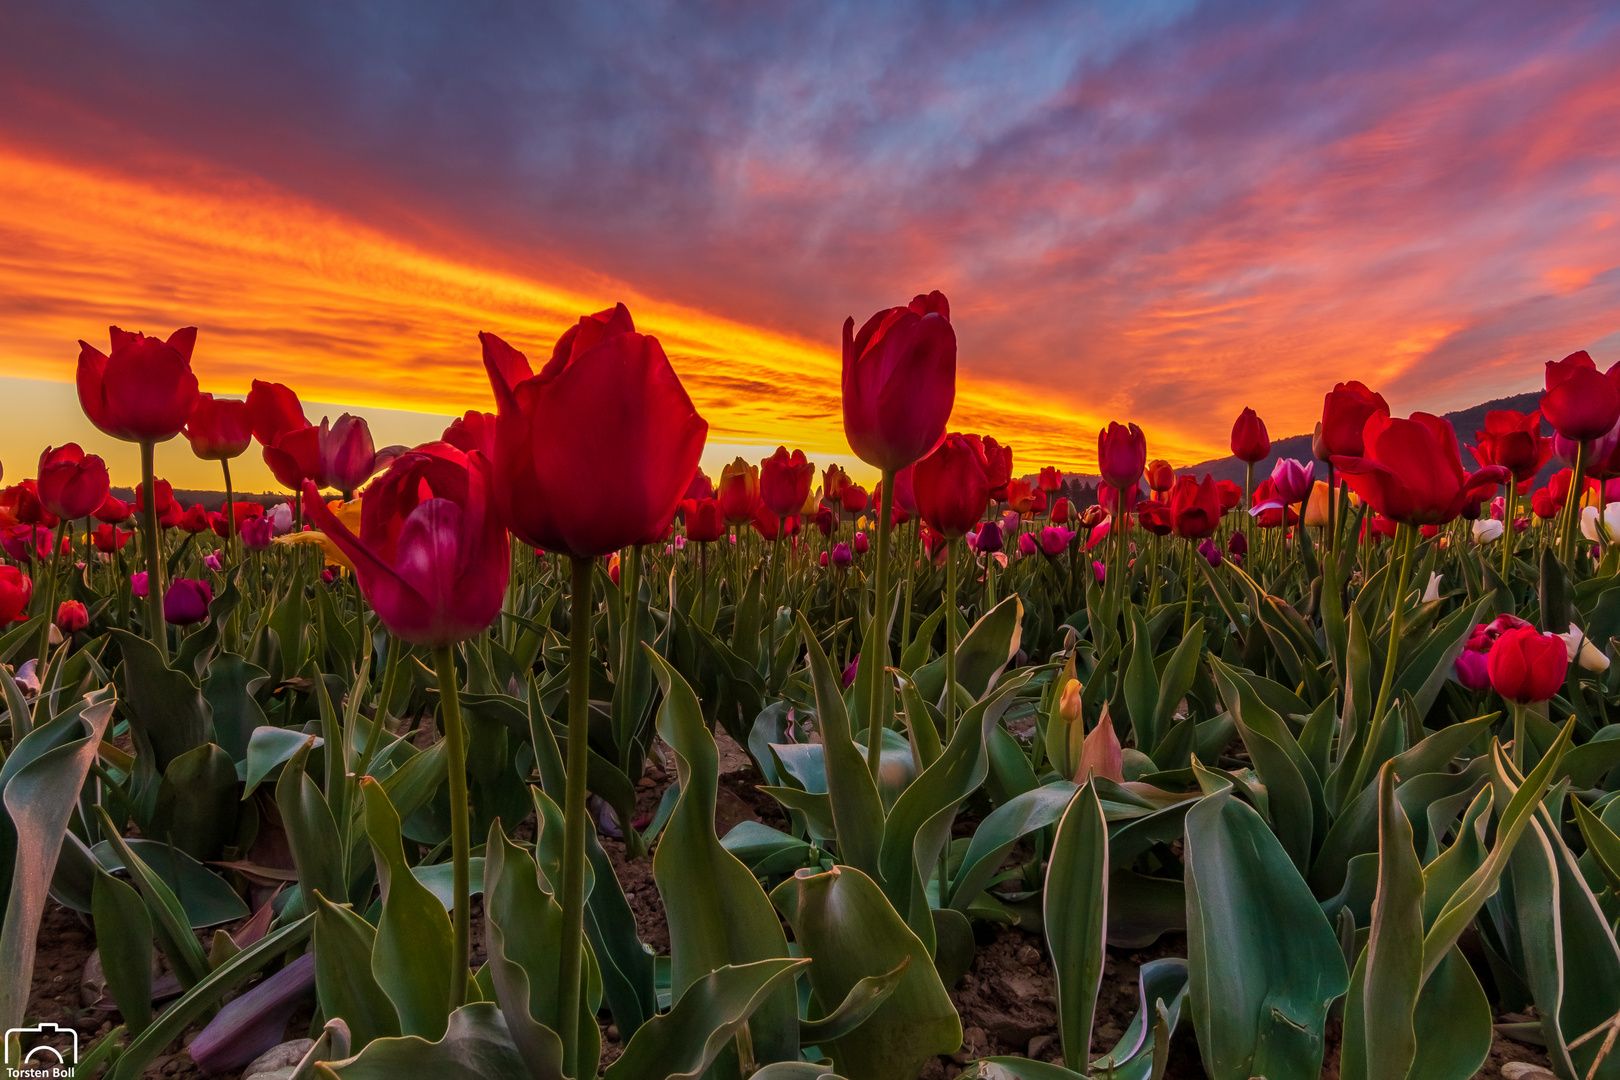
[(535, 752)]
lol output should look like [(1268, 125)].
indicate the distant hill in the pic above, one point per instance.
[(1465, 421)]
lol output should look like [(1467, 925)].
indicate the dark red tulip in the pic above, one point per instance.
[(348, 455), (71, 617), (1513, 441), (1250, 442), (765, 523), (952, 486), (16, 589), (899, 382), (296, 457), (704, 521), (998, 463), (241, 511), (1580, 403), (1231, 494), (1412, 472), (1051, 478), (826, 519), (1121, 455), (593, 453), (1345, 411), (833, 479), (1108, 498), (1265, 495), (109, 538), (1238, 544), (195, 519), (1526, 666), (20, 504), (72, 484), (1195, 508), (1062, 511), (1156, 517), (162, 496), (187, 601), (1037, 501), (987, 539), (784, 481), (219, 429), (144, 391), (113, 510), (701, 486), (738, 492), (472, 431), (431, 557), (841, 555), (854, 498)]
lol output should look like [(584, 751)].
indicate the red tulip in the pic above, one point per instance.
[(784, 481), (1020, 497), (71, 617), (1265, 493), (1412, 472), (1250, 442), (701, 486), (899, 382), (20, 504), (1160, 476), (1527, 666), (1051, 478), (1156, 517), (72, 484), (1230, 494), (109, 537), (1037, 501), (1195, 507), (952, 486), (240, 512), (765, 523), (1108, 498), (1238, 544), (431, 557), (854, 498), (1580, 403), (144, 391), (833, 479), (826, 519), (187, 601), (1121, 455), (26, 543), (348, 455), (1513, 441), (162, 496), (195, 519), (738, 491), (113, 510), (593, 453), (1062, 511), (219, 429), (1055, 539), (998, 462), (704, 521), (905, 495), (1545, 505), (296, 457), (473, 431), (274, 411), (16, 589), (1345, 412), (256, 532)]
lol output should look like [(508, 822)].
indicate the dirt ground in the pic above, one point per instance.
[(1005, 1000)]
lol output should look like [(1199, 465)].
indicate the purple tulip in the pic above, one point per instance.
[(1210, 552), (1054, 538), (1099, 571), (137, 584), (988, 539), (841, 556), (1472, 670), (213, 562), (851, 671), (256, 532), (1292, 479), (187, 602), (1027, 544), (862, 545), (1238, 545)]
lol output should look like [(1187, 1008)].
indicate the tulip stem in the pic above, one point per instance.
[(1404, 541), (1507, 529), (876, 718), (1187, 620), (1518, 737), (157, 630), (456, 744), (574, 817), (1577, 491), (950, 640)]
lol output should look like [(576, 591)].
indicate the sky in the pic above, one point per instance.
[(1160, 211)]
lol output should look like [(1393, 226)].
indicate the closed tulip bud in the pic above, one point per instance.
[(137, 584), (1195, 507), (1069, 701), (899, 382), (841, 556), (1238, 544), (431, 556), (1062, 511), (1472, 670), (988, 539), (1051, 479), (952, 486), (854, 498), (257, 532), (1121, 455), (144, 390), (1544, 505), (213, 561), (784, 481), (219, 429), (162, 497), (738, 491), (1099, 571), (613, 568), (1486, 530), (1027, 544), (1250, 442), (700, 487), (998, 466), (1054, 539), (1580, 403), (1210, 551), (704, 521), (71, 617), (1160, 476), (187, 601), (108, 538), (1526, 666), (862, 546), (823, 560), (1319, 446), (1345, 412), (72, 484), (348, 455), (594, 452), (195, 519), (16, 589), (113, 510), (1316, 509)]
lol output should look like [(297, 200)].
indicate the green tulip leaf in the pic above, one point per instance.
[(345, 985), (476, 1046), (1075, 909)]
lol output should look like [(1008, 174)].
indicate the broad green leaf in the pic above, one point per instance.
[(269, 747), (168, 714), (861, 1003), (845, 924), (682, 1043), (1393, 962), (718, 915), (1075, 908), (1141, 683), (204, 898), (124, 941), (1263, 963), (1000, 830), (1178, 677), (40, 796), (197, 803), (169, 919), (1161, 987), (857, 809), (344, 983), (476, 1046), (1451, 1019), (412, 957), (311, 831)]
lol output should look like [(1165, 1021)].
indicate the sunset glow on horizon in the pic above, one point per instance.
[(1160, 213)]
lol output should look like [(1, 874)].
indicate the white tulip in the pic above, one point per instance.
[(1433, 591), (1486, 530), (1610, 519), (1578, 647)]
